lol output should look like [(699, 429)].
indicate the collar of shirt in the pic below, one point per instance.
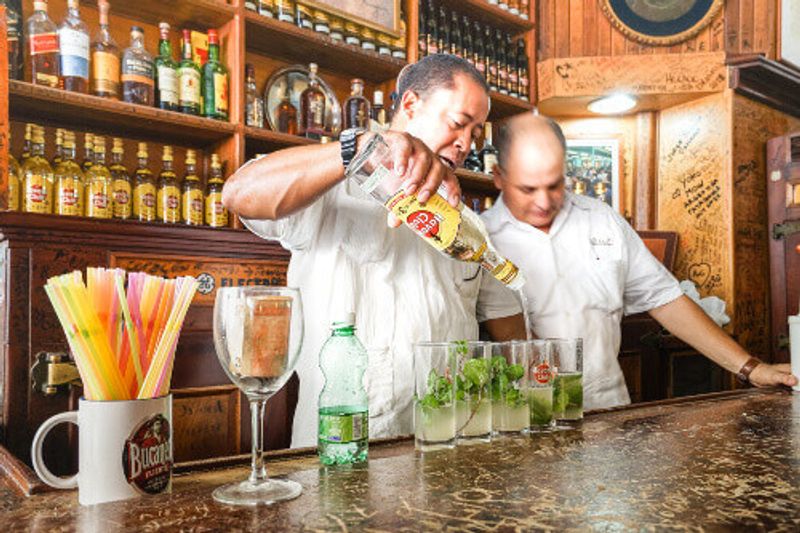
[(499, 215)]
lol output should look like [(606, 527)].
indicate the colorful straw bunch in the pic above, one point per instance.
[(124, 344)]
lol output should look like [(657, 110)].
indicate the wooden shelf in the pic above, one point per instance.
[(485, 12), (280, 39), (769, 82), (201, 13), (264, 140), (475, 180), (504, 106), (28, 102)]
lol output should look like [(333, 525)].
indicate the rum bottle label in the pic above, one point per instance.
[(36, 194), (121, 193), (144, 204), (216, 214), (192, 208)]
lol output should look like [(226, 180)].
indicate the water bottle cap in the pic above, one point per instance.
[(344, 319)]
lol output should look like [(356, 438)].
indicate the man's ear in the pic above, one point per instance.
[(497, 177), (409, 104)]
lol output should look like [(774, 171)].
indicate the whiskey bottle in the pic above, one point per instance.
[(216, 214), (37, 177), (192, 196), (215, 82), (73, 40), (58, 153), (287, 113), (105, 58), (121, 187), (144, 190), (14, 173), (189, 79), (69, 181), (27, 144), (168, 202), (312, 107), (356, 107), (478, 50), (254, 110), (502, 65), (43, 47), (166, 72), (98, 183), (489, 152), (88, 152), (522, 70), (138, 85), (322, 22), (13, 29)]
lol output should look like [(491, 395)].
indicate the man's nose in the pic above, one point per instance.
[(542, 200)]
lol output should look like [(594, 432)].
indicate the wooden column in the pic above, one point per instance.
[(4, 144), (644, 171)]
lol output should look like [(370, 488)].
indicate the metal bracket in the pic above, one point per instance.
[(780, 231), (53, 371)]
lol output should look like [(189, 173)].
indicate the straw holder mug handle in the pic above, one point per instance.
[(36, 452)]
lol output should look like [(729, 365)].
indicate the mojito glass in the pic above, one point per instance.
[(568, 382), (510, 412), (434, 396), (540, 385), (473, 396)]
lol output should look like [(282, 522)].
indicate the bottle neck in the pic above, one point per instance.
[(190, 170), (137, 41), (143, 162), (99, 158), (166, 165), (116, 158), (344, 331), (37, 149), (165, 48), (215, 176), (187, 49), (213, 52), (68, 154)]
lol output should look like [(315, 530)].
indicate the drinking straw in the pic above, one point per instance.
[(132, 340)]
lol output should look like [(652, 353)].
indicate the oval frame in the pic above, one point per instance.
[(664, 33), (299, 73)]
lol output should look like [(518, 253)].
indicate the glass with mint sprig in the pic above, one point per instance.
[(473, 391), (434, 396), (510, 406)]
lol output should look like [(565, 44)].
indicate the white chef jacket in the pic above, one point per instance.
[(581, 277), (346, 258)]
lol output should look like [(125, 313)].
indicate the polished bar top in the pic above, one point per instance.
[(730, 461)]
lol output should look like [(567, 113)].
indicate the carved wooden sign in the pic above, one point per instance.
[(206, 422)]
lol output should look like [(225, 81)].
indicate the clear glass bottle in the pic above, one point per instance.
[(189, 79), (98, 183), (168, 202), (488, 152), (351, 33), (37, 177), (312, 107), (27, 143), (384, 44), (265, 8), (166, 72), (216, 213), (58, 153), (399, 48), (302, 17), (144, 188), (73, 41), (284, 10), (287, 113), (356, 107), (368, 39), (121, 185), (69, 181), (513, 7), (215, 82), (524, 8), (138, 83), (13, 28), (88, 152), (14, 174), (254, 110), (105, 58), (43, 47), (192, 194), (337, 29)]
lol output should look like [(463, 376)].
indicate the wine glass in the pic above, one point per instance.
[(258, 332)]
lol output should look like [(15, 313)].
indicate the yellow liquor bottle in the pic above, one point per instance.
[(13, 180), (58, 156), (144, 188), (121, 188), (192, 197), (216, 214), (37, 177), (168, 202), (88, 152), (98, 183), (69, 180), (26, 144)]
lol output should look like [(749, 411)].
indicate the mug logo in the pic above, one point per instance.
[(542, 373), (147, 457)]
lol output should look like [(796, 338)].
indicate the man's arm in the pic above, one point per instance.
[(687, 321), (508, 328)]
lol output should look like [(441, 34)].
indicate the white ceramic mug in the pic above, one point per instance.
[(124, 449)]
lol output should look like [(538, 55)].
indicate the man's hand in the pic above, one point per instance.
[(766, 375), (422, 170)]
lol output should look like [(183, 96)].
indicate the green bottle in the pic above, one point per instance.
[(189, 79), (166, 72), (215, 82)]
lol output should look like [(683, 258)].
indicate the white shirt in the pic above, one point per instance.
[(345, 258), (581, 277)]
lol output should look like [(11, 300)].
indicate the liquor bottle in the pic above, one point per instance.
[(264, 8), (43, 47), (105, 58), (287, 113), (138, 85), (216, 213), (343, 436), (192, 196), (513, 7), (444, 32), (384, 44), (14, 174), (476, 205), (284, 10), (302, 17), (189, 79), (473, 161), (337, 29), (73, 40), (488, 202), (254, 110), (215, 82), (27, 143), (312, 107), (251, 5), (399, 48), (522, 70), (351, 33), (502, 64), (422, 29), (98, 183), (69, 181), (431, 30), (456, 44), (166, 72), (88, 152), (378, 112), (489, 152), (121, 186), (513, 72), (468, 49), (478, 50), (58, 154), (491, 62), (503, 4), (12, 38), (524, 8), (144, 188), (168, 202), (37, 177), (322, 22), (356, 107), (368, 39)]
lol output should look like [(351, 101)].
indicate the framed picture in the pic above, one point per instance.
[(592, 169), (789, 29), (381, 15), (661, 22)]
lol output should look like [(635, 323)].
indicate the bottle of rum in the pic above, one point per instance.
[(88, 152), (513, 72), (37, 177), (98, 183), (378, 112), (215, 82), (356, 107), (456, 44), (478, 50), (121, 187), (138, 84), (168, 203), (166, 72), (502, 64), (69, 180), (422, 29), (14, 173), (192, 197), (444, 32), (73, 40), (489, 152), (144, 191), (287, 113), (522, 69), (105, 58), (43, 47), (312, 107), (254, 110), (27, 143), (491, 63), (473, 161), (189, 79), (58, 154), (432, 30), (468, 49), (13, 29), (216, 214)]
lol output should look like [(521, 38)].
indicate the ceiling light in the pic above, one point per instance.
[(612, 104)]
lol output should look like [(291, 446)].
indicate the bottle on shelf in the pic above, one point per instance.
[(168, 202), (138, 85), (105, 58), (513, 71), (356, 107), (503, 4), (302, 17), (422, 28), (513, 7), (478, 50), (351, 33), (522, 70), (189, 79), (287, 113), (215, 82), (14, 174), (73, 41), (27, 143), (284, 10), (337, 29), (476, 205), (491, 59), (384, 44), (216, 213), (88, 152), (254, 104), (58, 153), (378, 112), (488, 152), (121, 186), (368, 39), (322, 22), (144, 188), (166, 69), (456, 43), (13, 29), (98, 183), (468, 48), (37, 177), (524, 8), (312, 107), (431, 30), (43, 47), (251, 5), (264, 8), (502, 64), (473, 161), (399, 48), (444, 32), (192, 195), (488, 202), (69, 181)]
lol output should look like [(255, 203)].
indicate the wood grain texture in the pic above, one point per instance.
[(644, 171), (4, 126)]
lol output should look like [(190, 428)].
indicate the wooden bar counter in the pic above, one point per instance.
[(727, 461)]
